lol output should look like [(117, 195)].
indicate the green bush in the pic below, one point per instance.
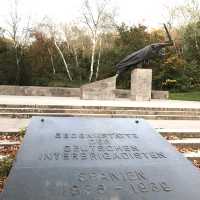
[(5, 166)]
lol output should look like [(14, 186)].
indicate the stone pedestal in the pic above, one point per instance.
[(99, 90), (141, 84)]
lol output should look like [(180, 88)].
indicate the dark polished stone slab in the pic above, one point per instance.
[(99, 159)]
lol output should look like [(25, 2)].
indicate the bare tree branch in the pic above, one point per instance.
[(97, 22), (52, 32)]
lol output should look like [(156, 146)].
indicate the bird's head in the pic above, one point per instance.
[(157, 50)]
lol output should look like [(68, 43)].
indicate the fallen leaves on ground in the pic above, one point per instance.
[(188, 149), (196, 163), (2, 181), (9, 150), (11, 138), (172, 137)]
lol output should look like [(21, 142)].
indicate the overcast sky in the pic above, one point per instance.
[(149, 12)]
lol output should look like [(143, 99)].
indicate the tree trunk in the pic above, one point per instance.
[(17, 59), (63, 58), (76, 57), (92, 59), (99, 57), (54, 70), (52, 62), (196, 42), (77, 63)]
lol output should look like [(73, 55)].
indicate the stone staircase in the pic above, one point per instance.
[(27, 111), (185, 143)]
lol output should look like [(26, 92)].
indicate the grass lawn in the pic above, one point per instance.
[(186, 96)]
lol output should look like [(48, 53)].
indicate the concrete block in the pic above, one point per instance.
[(121, 93), (99, 90), (141, 84), (156, 94)]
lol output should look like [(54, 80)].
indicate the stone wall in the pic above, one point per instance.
[(66, 92), (99, 90), (39, 91)]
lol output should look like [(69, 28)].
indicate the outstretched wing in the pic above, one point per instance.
[(168, 35)]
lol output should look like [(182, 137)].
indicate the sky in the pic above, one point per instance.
[(149, 12)]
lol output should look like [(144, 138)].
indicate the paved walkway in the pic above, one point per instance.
[(14, 125), (75, 101), (176, 125)]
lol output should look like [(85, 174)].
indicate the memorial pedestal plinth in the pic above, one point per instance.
[(141, 84), (99, 90)]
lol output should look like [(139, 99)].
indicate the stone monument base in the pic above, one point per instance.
[(141, 84), (99, 90)]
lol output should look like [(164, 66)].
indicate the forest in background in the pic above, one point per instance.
[(72, 54)]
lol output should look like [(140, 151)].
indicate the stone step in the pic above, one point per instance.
[(108, 107), (98, 111), (15, 132), (180, 133), (186, 142), (150, 117), (192, 156), (9, 143), (12, 126)]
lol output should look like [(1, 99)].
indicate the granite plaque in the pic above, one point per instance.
[(99, 159)]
